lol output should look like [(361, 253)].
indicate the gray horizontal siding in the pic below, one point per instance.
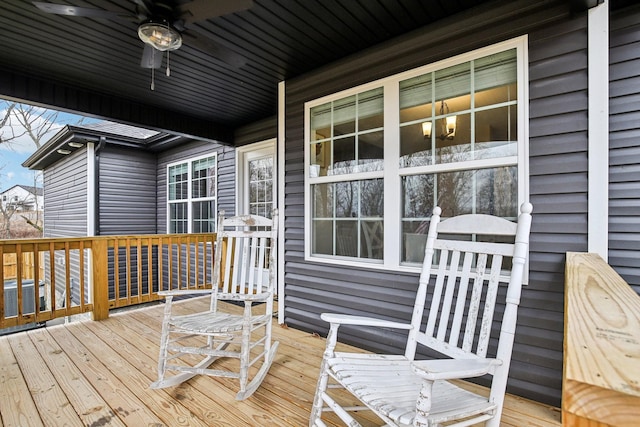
[(127, 191), (624, 146), (256, 132), (65, 197), (65, 215), (558, 161)]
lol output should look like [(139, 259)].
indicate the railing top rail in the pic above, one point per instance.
[(44, 244)]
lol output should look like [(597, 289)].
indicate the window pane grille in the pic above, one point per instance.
[(492, 191), (347, 135), (449, 137), (348, 219), (194, 184)]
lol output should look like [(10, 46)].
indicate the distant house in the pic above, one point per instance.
[(22, 198)]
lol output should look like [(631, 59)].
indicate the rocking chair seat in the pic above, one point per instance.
[(214, 323), (395, 392)]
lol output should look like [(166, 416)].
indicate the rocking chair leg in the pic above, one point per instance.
[(164, 339), (184, 376), (318, 402), (262, 372)]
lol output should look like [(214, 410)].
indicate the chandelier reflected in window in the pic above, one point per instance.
[(448, 129)]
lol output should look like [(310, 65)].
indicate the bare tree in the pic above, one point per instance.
[(21, 119), (20, 122)]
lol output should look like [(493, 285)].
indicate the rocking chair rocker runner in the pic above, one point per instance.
[(244, 272), (453, 315)]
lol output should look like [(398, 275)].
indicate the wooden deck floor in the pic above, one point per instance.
[(98, 374)]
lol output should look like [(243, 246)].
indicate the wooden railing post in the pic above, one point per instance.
[(100, 279)]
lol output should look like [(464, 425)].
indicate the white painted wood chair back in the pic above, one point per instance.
[(463, 276), (244, 272)]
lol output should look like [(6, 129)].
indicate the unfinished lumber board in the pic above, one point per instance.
[(601, 384), (80, 392), (129, 371), (133, 342), (53, 405), (265, 407), (16, 404), (122, 401)]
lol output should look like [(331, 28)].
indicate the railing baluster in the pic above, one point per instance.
[(58, 265), (81, 263), (160, 266), (67, 278), (139, 268), (2, 320)]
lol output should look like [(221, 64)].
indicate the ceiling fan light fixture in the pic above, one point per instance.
[(161, 36)]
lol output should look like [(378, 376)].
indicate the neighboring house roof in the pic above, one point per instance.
[(37, 191), (74, 137)]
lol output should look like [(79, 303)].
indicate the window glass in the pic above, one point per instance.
[(261, 186), (347, 219), (347, 136), (452, 140), (464, 112), (178, 182), (191, 196), (492, 191)]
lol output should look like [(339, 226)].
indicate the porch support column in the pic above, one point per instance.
[(280, 145), (598, 217)]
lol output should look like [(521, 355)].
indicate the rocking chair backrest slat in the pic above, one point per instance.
[(246, 243), (460, 301), (459, 295)]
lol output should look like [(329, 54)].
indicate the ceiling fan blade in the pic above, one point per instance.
[(151, 58), (207, 45), (143, 9), (201, 10), (67, 10)]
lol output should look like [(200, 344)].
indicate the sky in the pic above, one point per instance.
[(14, 154)]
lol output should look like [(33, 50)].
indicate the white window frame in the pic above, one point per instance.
[(392, 174), (245, 154), (190, 199)]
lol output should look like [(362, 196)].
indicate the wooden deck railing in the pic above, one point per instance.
[(601, 384), (71, 276)]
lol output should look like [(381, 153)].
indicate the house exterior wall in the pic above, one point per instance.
[(127, 191), (65, 215), (226, 175), (65, 199), (256, 132), (624, 145), (557, 171)]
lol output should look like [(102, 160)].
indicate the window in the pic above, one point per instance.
[(191, 196), (381, 156)]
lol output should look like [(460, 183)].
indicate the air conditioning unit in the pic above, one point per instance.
[(28, 303)]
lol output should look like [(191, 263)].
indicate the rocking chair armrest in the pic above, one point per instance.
[(177, 292), (261, 297), (346, 319), (449, 369)]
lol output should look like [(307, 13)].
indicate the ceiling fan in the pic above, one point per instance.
[(163, 25)]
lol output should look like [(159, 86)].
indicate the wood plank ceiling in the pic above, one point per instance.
[(92, 65)]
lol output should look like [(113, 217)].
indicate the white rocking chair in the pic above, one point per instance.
[(454, 316), (244, 269)]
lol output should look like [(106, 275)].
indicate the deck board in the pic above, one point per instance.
[(98, 374)]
